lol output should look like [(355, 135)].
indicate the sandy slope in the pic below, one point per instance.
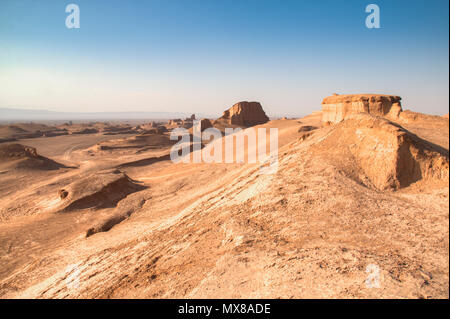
[(225, 230)]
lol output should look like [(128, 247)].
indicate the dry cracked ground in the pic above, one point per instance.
[(95, 217)]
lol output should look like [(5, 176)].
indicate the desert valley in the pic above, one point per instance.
[(99, 210)]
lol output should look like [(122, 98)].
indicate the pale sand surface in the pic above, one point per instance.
[(220, 230)]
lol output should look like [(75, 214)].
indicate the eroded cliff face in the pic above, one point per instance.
[(382, 154), (336, 108), (245, 114)]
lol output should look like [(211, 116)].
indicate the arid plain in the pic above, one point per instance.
[(98, 210)]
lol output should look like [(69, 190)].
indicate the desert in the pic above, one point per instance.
[(94, 215), (224, 158)]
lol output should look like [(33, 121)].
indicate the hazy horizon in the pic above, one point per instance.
[(11, 115), (204, 56)]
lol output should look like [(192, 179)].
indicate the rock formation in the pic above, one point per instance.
[(86, 131), (175, 122), (18, 156), (161, 129), (187, 124), (306, 128), (205, 124), (103, 189), (245, 114), (15, 151), (382, 154), (335, 108)]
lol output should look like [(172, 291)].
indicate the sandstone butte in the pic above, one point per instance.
[(245, 114), (336, 108)]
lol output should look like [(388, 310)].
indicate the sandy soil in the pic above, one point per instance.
[(219, 230), (65, 145)]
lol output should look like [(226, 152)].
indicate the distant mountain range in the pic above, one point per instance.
[(10, 114)]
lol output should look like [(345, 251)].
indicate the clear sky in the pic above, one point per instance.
[(204, 55)]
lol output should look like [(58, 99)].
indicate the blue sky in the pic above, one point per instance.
[(204, 55)]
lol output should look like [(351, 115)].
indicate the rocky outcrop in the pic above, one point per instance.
[(200, 125), (382, 154), (18, 156), (161, 129), (410, 117), (175, 122), (205, 124), (187, 124), (245, 114), (125, 208), (103, 189), (55, 133), (16, 151), (336, 108), (86, 131), (306, 128)]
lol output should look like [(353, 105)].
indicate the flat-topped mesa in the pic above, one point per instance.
[(335, 108), (245, 114)]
